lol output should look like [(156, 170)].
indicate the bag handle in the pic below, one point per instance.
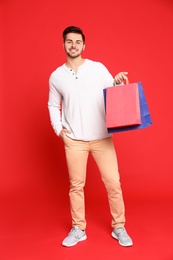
[(126, 81)]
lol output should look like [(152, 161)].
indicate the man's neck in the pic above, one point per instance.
[(74, 63)]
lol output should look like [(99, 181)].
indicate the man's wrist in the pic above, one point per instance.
[(115, 83)]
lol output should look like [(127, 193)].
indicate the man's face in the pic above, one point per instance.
[(74, 45)]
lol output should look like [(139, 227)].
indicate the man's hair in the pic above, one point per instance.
[(73, 29)]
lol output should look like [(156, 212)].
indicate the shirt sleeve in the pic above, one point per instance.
[(54, 106), (106, 75)]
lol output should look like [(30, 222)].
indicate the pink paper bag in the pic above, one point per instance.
[(122, 106)]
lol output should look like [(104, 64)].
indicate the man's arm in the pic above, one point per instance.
[(54, 107)]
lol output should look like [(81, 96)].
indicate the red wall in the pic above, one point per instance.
[(134, 36)]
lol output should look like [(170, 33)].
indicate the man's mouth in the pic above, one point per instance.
[(73, 50)]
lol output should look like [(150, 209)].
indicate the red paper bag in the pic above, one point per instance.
[(122, 106)]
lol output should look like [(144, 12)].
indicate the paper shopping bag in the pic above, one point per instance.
[(123, 107), (126, 108)]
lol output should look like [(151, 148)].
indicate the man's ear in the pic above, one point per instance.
[(84, 47)]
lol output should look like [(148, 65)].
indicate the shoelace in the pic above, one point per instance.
[(74, 232), (122, 232)]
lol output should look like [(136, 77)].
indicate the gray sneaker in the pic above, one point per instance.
[(121, 235), (76, 235)]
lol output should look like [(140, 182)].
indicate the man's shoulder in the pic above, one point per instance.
[(57, 71), (94, 63)]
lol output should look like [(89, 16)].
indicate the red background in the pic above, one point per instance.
[(134, 36)]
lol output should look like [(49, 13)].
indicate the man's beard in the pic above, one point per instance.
[(73, 56)]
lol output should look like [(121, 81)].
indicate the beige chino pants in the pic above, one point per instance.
[(105, 157)]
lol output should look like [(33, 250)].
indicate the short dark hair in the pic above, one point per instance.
[(73, 29)]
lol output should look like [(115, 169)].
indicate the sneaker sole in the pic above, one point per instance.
[(114, 236), (80, 240)]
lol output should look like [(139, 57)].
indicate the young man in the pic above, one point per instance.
[(78, 85)]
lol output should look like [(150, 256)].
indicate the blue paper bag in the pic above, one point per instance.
[(144, 111)]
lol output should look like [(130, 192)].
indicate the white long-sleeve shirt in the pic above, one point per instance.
[(81, 95)]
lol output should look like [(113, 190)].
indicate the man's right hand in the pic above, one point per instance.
[(63, 133)]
